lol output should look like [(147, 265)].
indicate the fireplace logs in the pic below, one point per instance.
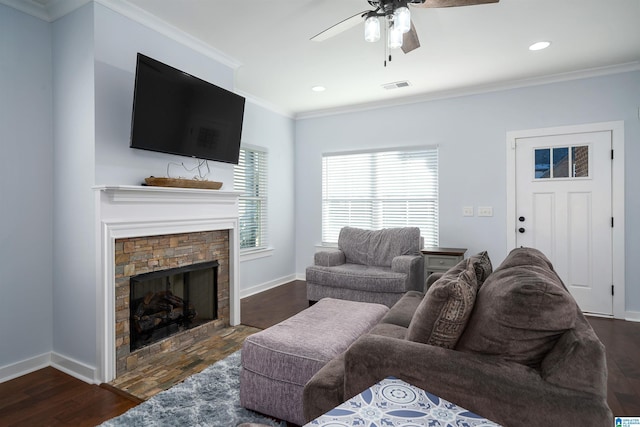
[(170, 301), (158, 309)]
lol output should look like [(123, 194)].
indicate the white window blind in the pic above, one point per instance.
[(381, 189), (250, 178)]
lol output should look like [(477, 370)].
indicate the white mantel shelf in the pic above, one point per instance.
[(124, 211), (141, 193)]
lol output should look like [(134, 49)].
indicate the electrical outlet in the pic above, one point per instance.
[(467, 211), (485, 211)]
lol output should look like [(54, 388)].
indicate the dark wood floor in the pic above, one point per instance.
[(268, 308), (49, 397), (622, 341)]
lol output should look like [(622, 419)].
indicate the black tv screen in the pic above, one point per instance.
[(177, 113)]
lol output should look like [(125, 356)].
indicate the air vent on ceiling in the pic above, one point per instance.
[(396, 85)]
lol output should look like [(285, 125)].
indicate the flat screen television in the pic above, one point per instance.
[(177, 113)]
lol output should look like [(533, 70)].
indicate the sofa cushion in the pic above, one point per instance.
[(521, 310), (358, 277), (378, 247), (402, 312), (442, 315), (389, 330)]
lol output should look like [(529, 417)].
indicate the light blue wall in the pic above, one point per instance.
[(266, 129), (118, 39), (74, 258), (67, 92), (471, 134), (26, 189)]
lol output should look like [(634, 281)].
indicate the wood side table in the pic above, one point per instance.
[(439, 260)]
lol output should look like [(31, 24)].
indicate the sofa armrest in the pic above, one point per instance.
[(505, 392), (431, 280), (413, 267), (329, 258)]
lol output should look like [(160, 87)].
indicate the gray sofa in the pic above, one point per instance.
[(514, 348), (376, 266)]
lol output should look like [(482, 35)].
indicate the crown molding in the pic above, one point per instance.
[(151, 21), (59, 8), (29, 7), (52, 10), (475, 90), (46, 10), (266, 104)]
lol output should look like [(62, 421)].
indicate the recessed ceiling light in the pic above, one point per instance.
[(539, 45), (318, 88)]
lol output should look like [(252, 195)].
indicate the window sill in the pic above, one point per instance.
[(255, 254)]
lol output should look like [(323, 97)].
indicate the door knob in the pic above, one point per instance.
[(521, 219), (521, 229)]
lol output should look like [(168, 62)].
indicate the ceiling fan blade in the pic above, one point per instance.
[(340, 27), (410, 40), (452, 3)]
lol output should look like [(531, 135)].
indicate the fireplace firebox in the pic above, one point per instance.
[(163, 303)]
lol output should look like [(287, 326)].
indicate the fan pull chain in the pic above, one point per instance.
[(387, 54)]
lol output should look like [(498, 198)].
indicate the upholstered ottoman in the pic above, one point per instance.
[(278, 362)]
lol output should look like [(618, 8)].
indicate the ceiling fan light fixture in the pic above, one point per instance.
[(402, 19), (372, 29), (395, 37)]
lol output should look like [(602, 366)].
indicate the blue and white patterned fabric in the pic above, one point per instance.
[(394, 403)]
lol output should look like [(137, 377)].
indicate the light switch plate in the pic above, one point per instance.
[(485, 211), (467, 211)]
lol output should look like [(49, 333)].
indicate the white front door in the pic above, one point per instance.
[(564, 209)]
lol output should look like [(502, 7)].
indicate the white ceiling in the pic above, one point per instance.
[(464, 49)]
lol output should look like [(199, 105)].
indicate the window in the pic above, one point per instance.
[(250, 178), (562, 162), (381, 189)]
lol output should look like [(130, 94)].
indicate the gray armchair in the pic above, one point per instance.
[(376, 266)]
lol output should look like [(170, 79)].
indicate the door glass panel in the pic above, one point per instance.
[(561, 162), (542, 163), (580, 157)]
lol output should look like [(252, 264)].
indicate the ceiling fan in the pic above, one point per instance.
[(401, 32)]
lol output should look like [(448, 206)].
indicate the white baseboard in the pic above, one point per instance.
[(74, 368), (301, 276), (24, 367), (632, 316), (68, 366), (266, 286)]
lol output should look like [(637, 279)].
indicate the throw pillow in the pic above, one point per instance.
[(482, 265), (521, 310), (443, 313)]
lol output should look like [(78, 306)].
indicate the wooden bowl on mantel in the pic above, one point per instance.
[(182, 183)]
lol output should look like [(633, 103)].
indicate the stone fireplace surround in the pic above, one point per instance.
[(136, 211), (158, 254)]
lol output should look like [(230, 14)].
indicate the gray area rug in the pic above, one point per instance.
[(209, 398)]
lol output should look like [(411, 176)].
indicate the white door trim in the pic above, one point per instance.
[(617, 184)]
